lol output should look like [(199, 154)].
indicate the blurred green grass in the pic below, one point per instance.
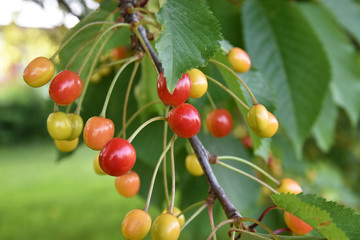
[(44, 199)]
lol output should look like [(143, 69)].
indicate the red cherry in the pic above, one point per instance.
[(65, 88), (219, 122), (181, 92), (247, 142), (117, 157), (184, 120), (98, 131)]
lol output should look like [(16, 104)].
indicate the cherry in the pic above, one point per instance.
[(258, 117), (117, 157), (239, 60), (38, 72), (97, 167), (65, 88), (193, 166), (121, 52), (288, 185), (181, 92), (97, 132), (271, 129), (77, 125), (66, 145), (199, 83), (296, 225), (59, 126), (136, 224), (247, 142), (184, 120), (219, 122), (128, 185), (165, 227), (177, 213)]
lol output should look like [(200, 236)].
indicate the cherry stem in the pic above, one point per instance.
[(87, 80), (211, 218), (237, 76), (130, 60), (281, 230), (131, 138), (132, 118), (263, 215), (164, 163), (229, 92), (172, 175), (127, 95), (147, 204), (277, 182), (247, 175), (245, 219), (193, 206), (219, 226), (192, 217), (75, 33), (211, 100)]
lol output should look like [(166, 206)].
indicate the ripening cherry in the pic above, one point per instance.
[(288, 185), (271, 129), (121, 52), (66, 145), (247, 142), (219, 122), (77, 125), (96, 165), (184, 120), (177, 213), (98, 131), (199, 83), (117, 157), (193, 166), (59, 126), (128, 185), (165, 227), (65, 88), (180, 94), (257, 117), (239, 60), (136, 224), (38, 72)]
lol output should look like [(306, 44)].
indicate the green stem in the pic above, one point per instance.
[(237, 76), (131, 138), (164, 162), (127, 96), (211, 217), (211, 100), (172, 176), (132, 118), (130, 60), (277, 182), (111, 64), (229, 92), (194, 216), (245, 219), (247, 175), (219, 226), (75, 33), (147, 204)]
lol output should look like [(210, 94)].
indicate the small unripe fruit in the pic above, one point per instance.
[(258, 117), (136, 224), (199, 83), (193, 166), (66, 145), (239, 60), (271, 129)]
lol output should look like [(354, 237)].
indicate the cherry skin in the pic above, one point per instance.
[(257, 117), (288, 185), (184, 120), (193, 166), (247, 142), (180, 94), (96, 165), (65, 88), (136, 224), (271, 129), (117, 157), (66, 145), (38, 72), (199, 83), (128, 185), (77, 125), (97, 132), (119, 53), (59, 126), (165, 227), (296, 225), (219, 122), (177, 213), (239, 60)]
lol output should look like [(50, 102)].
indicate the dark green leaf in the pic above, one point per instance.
[(191, 36)]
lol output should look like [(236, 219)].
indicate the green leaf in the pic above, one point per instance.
[(347, 13), (191, 36), (285, 49), (315, 215), (344, 218), (343, 58), (324, 128)]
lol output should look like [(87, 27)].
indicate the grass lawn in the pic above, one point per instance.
[(43, 199)]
